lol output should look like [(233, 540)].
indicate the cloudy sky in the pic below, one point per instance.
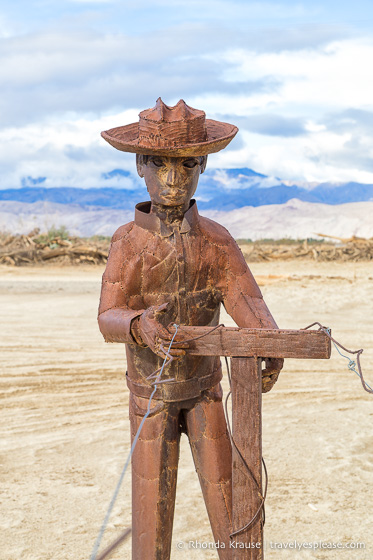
[(296, 77)]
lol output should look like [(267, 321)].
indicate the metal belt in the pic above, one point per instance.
[(176, 390)]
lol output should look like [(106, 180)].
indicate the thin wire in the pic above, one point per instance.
[(351, 366), (201, 335), (351, 363), (116, 492), (105, 553)]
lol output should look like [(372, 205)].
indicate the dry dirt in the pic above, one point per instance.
[(65, 421)]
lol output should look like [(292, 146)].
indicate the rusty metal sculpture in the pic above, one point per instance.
[(172, 266)]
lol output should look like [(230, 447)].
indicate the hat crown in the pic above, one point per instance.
[(163, 113), (179, 131), (168, 127)]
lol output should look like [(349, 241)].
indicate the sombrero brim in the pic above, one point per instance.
[(126, 139)]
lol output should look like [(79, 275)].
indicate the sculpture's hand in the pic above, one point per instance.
[(271, 372), (148, 331)]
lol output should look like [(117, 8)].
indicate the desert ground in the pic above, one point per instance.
[(65, 428)]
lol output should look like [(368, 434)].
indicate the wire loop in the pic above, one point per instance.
[(351, 363)]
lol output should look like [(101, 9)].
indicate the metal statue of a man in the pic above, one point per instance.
[(171, 265)]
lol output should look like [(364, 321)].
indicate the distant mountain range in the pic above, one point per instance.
[(249, 204), (219, 189), (295, 219)]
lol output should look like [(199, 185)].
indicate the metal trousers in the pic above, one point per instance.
[(155, 463)]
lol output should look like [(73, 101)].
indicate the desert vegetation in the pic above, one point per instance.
[(56, 246)]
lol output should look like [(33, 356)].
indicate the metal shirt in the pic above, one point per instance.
[(194, 269)]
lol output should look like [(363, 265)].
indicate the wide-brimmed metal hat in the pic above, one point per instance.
[(171, 131)]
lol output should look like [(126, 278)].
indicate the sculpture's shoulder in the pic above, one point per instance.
[(215, 233), (123, 232), (121, 251), (219, 236)]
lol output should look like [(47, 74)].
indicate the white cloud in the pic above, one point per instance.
[(67, 152), (231, 183), (61, 58), (334, 76), (316, 86), (316, 158), (52, 73), (60, 89)]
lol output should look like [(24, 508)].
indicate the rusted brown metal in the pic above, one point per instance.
[(178, 131), (171, 265)]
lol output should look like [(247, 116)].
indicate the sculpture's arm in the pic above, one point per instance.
[(242, 297), (245, 304), (116, 312), (115, 325)]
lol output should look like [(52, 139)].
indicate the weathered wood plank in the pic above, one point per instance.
[(265, 343), (247, 433)]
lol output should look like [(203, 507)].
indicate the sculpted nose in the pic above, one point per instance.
[(171, 177)]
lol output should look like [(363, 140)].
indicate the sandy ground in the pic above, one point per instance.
[(65, 433)]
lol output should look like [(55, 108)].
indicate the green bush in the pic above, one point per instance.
[(53, 232)]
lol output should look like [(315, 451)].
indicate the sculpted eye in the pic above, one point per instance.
[(157, 162), (190, 163)]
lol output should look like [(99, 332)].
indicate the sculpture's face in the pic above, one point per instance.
[(171, 181)]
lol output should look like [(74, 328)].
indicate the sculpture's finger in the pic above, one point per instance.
[(166, 343), (174, 353), (179, 339), (269, 372), (268, 382), (273, 366), (177, 352), (165, 336)]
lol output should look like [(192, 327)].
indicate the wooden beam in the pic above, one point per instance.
[(265, 343), (247, 434)]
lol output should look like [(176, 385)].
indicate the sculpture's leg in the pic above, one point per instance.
[(212, 454), (154, 473)]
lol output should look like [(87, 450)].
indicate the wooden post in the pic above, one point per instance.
[(247, 433)]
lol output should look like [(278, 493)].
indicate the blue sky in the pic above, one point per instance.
[(295, 77)]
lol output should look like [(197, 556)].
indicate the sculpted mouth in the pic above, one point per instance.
[(171, 194)]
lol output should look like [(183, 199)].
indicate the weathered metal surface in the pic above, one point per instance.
[(247, 489), (172, 265), (193, 271), (171, 131), (270, 343), (155, 463)]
